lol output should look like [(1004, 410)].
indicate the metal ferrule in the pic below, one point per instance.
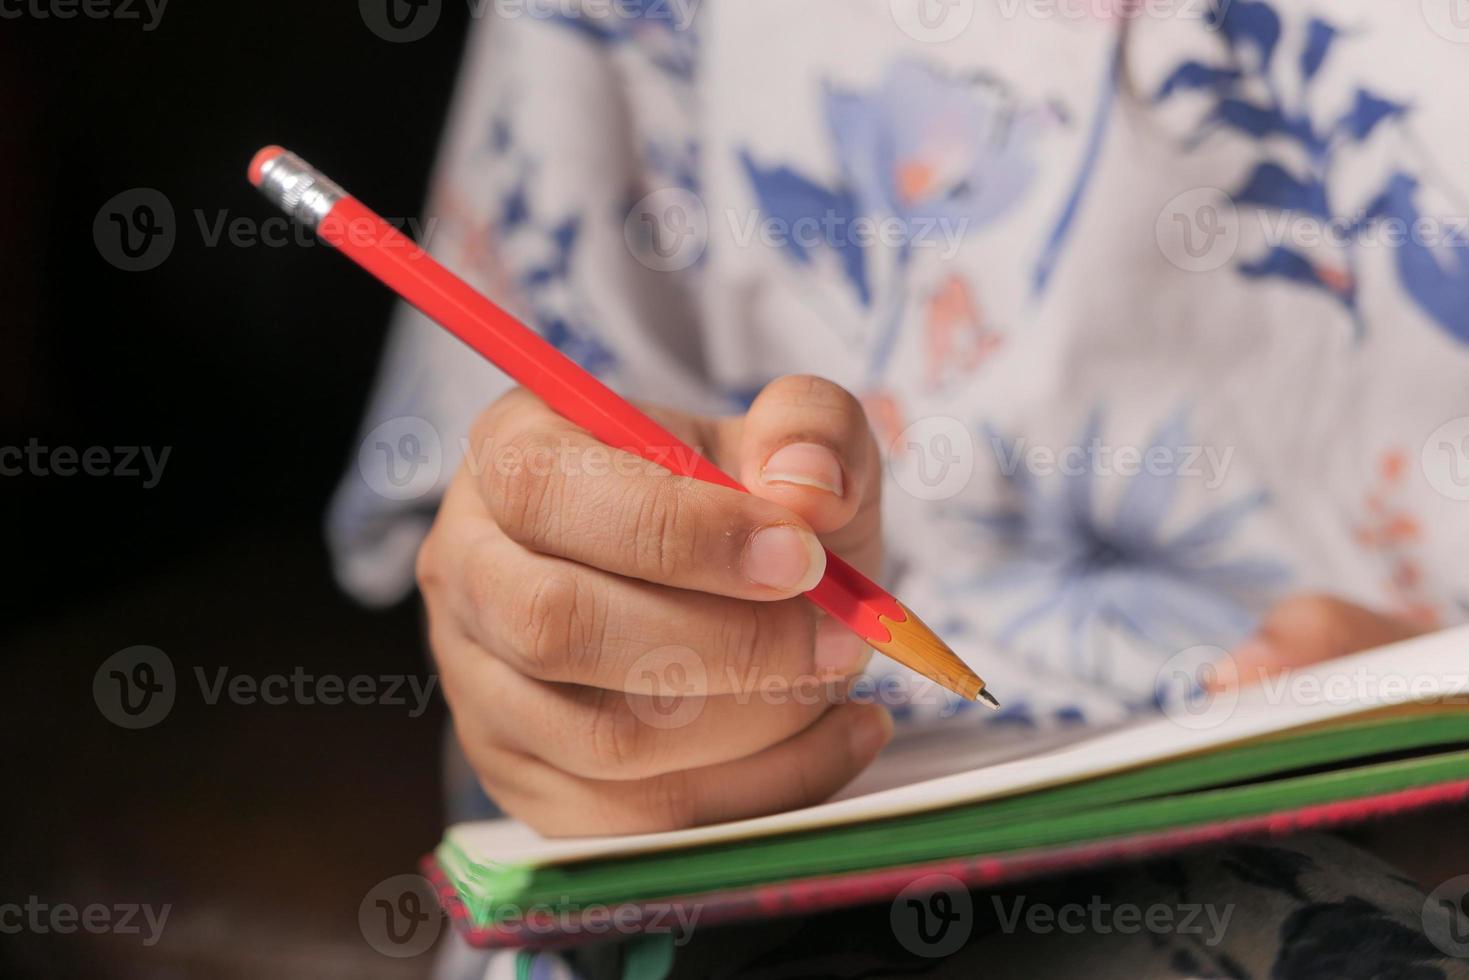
[(299, 189)]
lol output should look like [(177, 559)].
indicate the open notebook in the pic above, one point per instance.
[(1380, 731)]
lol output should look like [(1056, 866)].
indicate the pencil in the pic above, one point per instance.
[(353, 229)]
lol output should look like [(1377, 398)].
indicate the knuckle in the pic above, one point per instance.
[(663, 529), (617, 737), (542, 618), (522, 487), (670, 803), (744, 631)]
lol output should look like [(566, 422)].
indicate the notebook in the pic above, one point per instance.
[(1378, 732)]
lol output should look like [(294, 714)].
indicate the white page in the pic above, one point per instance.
[(1429, 668)]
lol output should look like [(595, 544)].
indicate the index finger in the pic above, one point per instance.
[(554, 489)]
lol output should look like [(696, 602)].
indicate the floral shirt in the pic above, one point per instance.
[(1160, 312)]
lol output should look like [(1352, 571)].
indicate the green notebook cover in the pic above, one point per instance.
[(1341, 761)]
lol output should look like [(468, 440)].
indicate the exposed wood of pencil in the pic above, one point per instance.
[(916, 646)]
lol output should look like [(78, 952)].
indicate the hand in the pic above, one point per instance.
[(559, 571), (1308, 629)]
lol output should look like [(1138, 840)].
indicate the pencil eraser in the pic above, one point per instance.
[(257, 165)]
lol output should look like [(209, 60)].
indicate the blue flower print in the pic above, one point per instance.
[(1087, 568)]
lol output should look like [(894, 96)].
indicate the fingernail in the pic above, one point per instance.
[(871, 733), (806, 465), (838, 649), (784, 557)]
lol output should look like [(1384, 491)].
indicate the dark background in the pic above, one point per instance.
[(263, 827)]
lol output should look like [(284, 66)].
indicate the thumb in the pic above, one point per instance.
[(1308, 629), (805, 444)]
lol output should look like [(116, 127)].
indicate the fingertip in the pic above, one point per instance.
[(786, 558), (806, 445)]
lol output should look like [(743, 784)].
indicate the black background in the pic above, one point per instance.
[(262, 826)]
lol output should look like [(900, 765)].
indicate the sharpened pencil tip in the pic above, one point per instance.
[(989, 699), (914, 645)]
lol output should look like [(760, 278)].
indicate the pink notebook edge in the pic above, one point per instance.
[(828, 892)]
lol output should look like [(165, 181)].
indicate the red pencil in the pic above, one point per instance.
[(344, 222)]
